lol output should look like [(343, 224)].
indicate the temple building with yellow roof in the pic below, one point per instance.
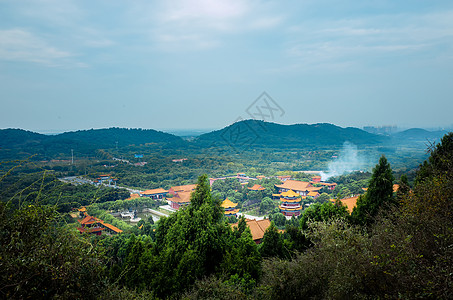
[(230, 208), (290, 203)]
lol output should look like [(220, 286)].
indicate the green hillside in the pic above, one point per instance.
[(252, 133)]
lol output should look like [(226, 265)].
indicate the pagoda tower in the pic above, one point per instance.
[(290, 203), (230, 208)]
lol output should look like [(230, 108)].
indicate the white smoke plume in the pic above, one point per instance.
[(348, 161)]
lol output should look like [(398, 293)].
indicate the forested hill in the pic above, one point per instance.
[(271, 135), (18, 143), (418, 134)]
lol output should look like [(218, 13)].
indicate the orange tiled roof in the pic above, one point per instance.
[(183, 188), (89, 220), (295, 185), (181, 197), (257, 228), (110, 226), (350, 202), (154, 191), (312, 194), (256, 187)]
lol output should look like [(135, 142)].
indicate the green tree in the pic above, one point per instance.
[(403, 189), (322, 212), (323, 198), (440, 160), (279, 219), (266, 204), (272, 243), (379, 194)]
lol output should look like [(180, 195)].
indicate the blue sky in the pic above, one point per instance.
[(68, 65)]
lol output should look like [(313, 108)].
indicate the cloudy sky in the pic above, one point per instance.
[(68, 65)]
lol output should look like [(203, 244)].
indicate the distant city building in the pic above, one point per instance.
[(386, 129)]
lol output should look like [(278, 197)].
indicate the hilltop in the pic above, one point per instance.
[(253, 133)]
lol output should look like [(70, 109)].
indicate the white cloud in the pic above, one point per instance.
[(21, 45), (207, 22), (365, 40)]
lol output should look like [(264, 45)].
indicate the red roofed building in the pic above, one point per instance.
[(95, 225), (180, 199), (316, 179)]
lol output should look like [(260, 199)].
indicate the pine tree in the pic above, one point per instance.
[(379, 194), (403, 189)]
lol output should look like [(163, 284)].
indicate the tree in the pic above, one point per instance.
[(379, 194), (322, 212), (323, 198), (278, 218), (272, 244), (440, 161), (403, 189), (266, 204)]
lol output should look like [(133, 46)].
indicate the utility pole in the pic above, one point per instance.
[(72, 156)]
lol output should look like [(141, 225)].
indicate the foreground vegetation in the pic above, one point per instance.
[(392, 246)]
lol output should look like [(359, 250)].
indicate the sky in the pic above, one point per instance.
[(185, 64)]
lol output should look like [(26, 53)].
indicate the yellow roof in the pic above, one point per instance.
[(313, 194), (231, 212), (290, 200), (290, 208), (228, 204), (290, 193), (154, 191)]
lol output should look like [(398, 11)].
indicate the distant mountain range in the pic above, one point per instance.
[(247, 134)]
